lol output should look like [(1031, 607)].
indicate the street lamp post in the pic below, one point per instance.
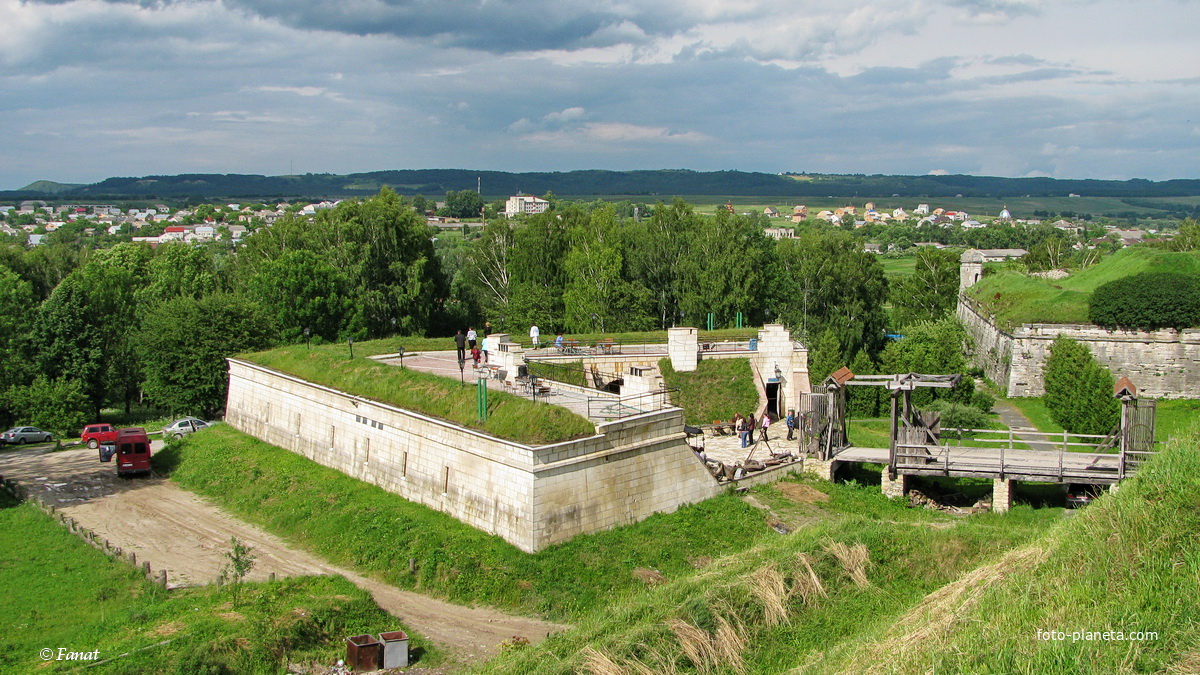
[(401, 350), (350, 341), (307, 335)]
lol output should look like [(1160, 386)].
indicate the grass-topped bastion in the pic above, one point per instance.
[(509, 417), (1013, 298)]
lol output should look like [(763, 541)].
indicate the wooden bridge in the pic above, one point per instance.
[(920, 446)]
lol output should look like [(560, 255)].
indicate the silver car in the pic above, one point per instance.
[(181, 427), (22, 435)]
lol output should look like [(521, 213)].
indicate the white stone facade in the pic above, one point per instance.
[(532, 496)]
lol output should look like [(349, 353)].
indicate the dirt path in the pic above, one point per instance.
[(1014, 419), (178, 531)]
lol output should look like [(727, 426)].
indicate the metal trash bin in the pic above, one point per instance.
[(363, 653), (395, 649), (753, 344)]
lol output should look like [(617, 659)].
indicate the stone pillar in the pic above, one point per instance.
[(1001, 495), (683, 346), (641, 380), (505, 354), (823, 469), (893, 488)]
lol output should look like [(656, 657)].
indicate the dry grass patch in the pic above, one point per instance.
[(598, 663), (649, 576), (768, 585), (934, 618), (801, 494), (695, 642), (854, 560), (805, 582)]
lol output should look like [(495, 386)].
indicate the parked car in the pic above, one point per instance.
[(22, 435), (181, 427), (1080, 494), (95, 434)]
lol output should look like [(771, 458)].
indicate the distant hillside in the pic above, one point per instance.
[(49, 187), (663, 183)]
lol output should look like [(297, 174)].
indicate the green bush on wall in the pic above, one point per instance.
[(1148, 301)]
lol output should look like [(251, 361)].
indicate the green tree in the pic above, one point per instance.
[(179, 270), (463, 204), (655, 253), (60, 405), (826, 356), (1079, 391), (17, 315), (930, 292), (827, 282), (932, 348), (597, 296), (727, 267), (538, 267), (385, 251), (183, 344), (301, 290)]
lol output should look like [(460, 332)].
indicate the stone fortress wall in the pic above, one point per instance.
[(531, 496), (1163, 363)]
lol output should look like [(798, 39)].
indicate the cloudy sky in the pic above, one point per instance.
[(1064, 88)]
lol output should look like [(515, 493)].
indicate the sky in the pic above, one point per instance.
[(91, 89)]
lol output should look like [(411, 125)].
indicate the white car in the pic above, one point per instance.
[(181, 427), (23, 435)]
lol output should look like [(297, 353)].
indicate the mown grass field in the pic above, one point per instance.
[(1014, 298), (62, 593), (521, 335), (509, 416)]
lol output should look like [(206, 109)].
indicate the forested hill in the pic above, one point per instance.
[(663, 183)]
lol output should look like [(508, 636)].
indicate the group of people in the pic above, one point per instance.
[(472, 345), (746, 426)]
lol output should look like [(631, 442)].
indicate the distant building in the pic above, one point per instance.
[(526, 204), (780, 232)]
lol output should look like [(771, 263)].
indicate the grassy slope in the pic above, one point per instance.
[(1130, 562), (1015, 298), (509, 416), (59, 592), (358, 525), (716, 390), (911, 553)]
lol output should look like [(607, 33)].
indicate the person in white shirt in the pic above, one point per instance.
[(535, 336)]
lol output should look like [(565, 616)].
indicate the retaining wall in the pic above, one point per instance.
[(1162, 363), (532, 496)]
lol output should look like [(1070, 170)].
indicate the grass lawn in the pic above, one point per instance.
[(62, 593), (895, 266), (416, 344)]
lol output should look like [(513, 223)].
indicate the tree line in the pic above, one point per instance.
[(85, 329)]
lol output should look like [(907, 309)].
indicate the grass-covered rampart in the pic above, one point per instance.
[(510, 417), (1128, 564), (60, 592), (716, 390), (1015, 298), (358, 525)]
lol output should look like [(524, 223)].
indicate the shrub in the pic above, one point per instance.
[(1079, 390), (1148, 301), (959, 416)]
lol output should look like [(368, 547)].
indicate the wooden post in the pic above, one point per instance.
[(163, 577), (146, 567), (271, 577)]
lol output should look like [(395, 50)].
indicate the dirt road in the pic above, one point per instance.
[(178, 531)]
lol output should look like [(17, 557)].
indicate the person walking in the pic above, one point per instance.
[(791, 423), (460, 343), (764, 425), (535, 336), (751, 427), (472, 338), (739, 425)]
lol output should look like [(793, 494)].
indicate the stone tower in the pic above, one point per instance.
[(970, 268)]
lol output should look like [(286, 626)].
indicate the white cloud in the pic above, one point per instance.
[(938, 172)]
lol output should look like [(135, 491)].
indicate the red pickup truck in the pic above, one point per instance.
[(95, 434)]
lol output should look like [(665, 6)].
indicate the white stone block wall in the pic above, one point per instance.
[(532, 496), (683, 346), (1163, 363)]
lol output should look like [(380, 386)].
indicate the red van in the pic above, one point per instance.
[(133, 451), (93, 435)]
